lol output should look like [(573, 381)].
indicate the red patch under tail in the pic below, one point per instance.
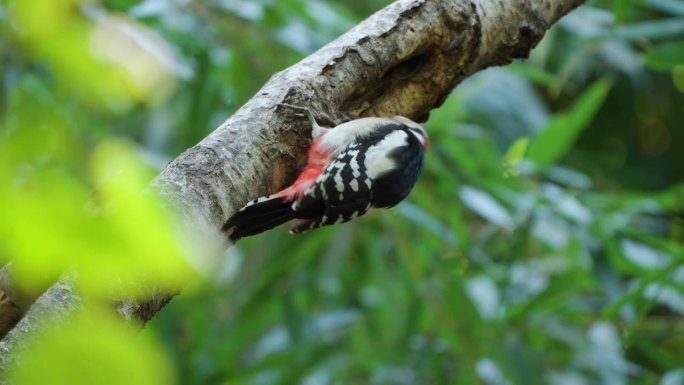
[(317, 160)]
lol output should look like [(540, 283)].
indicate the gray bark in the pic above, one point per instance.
[(403, 60), (12, 307), (58, 301)]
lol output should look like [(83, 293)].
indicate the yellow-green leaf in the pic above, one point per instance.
[(92, 347)]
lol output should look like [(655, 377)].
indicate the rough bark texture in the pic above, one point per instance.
[(52, 306), (403, 60), (11, 310)]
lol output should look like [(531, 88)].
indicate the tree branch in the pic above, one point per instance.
[(57, 302), (11, 310), (405, 60)]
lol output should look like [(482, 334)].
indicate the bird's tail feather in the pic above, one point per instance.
[(264, 214)]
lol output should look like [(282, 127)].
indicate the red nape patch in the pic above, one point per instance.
[(316, 163)]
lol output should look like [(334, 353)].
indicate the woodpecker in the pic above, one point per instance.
[(358, 165)]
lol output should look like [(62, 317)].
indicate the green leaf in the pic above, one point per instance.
[(534, 74), (665, 56), (655, 29), (675, 7), (116, 239), (92, 348), (515, 153), (678, 77), (620, 8), (485, 205), (564, 129)]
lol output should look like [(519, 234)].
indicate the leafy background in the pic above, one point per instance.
[(542, 245)]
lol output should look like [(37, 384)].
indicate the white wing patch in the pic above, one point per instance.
[(377, 157)]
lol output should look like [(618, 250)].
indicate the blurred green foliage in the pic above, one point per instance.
[(93, 347), (542, 245)]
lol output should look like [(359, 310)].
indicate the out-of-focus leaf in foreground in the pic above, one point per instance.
[(109, 60), (67, 354), (114, 239)]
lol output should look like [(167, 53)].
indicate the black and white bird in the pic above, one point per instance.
[(358, 165)]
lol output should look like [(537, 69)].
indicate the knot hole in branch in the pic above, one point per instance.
[(371, 98)]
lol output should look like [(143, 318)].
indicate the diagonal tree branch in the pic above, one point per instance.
[(405, 60), (12, 307)]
